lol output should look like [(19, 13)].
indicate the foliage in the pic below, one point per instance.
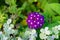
[(18, 10)]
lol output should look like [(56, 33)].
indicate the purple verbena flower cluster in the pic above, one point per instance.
[(35, 20)]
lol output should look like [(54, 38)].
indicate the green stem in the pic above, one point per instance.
[(38, 32)]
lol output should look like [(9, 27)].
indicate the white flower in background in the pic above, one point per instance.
[(0, 32), (43, 36), (11, 25), (42, 30), (55, 30), (9, 21), (58, 27), (33, 32), (51, 37), (30, 34), (8, 30), (7, 27), (46, 31), (56, 36), (27, 33), (19, 38), (32, 38), (4, 38)]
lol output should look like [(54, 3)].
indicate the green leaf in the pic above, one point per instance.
[(43, 3), (48, 10), (19, 10), (31, 1), (10, 2), (57, 18), (53, 1), (24, 6), (52, 25), (12, 9), (51, 10), (55, 7), (3, 17), (32, 8)]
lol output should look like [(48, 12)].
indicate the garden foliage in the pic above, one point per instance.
[(14, 13)]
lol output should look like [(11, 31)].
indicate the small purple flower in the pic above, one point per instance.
[(35, 20)]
